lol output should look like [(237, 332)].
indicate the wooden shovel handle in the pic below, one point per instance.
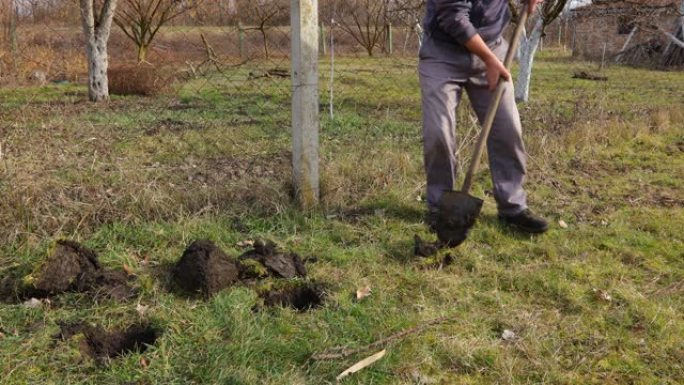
[(494, 105)]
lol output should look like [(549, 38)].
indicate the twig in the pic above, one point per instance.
[(343, 352)]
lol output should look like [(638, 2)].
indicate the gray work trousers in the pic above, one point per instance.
[(445, 70)]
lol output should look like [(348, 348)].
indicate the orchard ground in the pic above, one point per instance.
[(598, 301)]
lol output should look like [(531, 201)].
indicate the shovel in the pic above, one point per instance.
[(458, 210)]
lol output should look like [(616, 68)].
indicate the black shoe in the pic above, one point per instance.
[(526, 221)]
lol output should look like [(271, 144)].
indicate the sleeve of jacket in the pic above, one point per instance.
[(453, 17)]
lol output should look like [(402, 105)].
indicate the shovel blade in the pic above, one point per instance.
[(457, 213)]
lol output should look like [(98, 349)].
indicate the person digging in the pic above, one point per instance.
[(464, 49)]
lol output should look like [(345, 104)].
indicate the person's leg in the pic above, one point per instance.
[(440, 97), (507, 157)]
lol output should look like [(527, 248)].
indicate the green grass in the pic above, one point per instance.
[(138, 180)]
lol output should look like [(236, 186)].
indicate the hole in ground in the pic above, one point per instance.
[(300, 297), (101, 344)]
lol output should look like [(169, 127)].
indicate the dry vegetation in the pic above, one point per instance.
[(208, 157)]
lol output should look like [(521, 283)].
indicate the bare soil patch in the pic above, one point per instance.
[(102, 345)]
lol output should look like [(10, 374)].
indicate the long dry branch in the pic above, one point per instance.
[(343, 352)]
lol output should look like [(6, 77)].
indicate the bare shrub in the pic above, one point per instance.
[(137, 79)]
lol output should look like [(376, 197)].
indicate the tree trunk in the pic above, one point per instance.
[(529, 47), (142, 53), (97, 35), (12, 32), (264, 38)]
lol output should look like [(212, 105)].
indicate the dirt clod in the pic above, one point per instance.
[(279, 264), (70, 267), (73, 267), (205, 268), (298, 297), (425, 249)]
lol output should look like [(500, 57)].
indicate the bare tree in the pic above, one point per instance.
[(97, 25), (674, 53), (9, 16), (548, 12), (409, 13), (263, 13), (363, 20), (140, 20)]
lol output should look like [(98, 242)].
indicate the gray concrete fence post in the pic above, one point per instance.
[(305, 119)]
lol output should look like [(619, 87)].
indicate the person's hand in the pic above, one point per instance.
[(532, 4), (495, 71)]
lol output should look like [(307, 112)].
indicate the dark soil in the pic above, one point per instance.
[(205, 269), (425, 249), (279, 264), (101, 345), (440, 262), (299, 297), (457, 214), (70, 267)]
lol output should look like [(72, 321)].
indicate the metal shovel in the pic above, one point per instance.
[(458, 210)]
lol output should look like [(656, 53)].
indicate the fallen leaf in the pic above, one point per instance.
[(562, 224), (144, 363), (603, 295), (508, 335), (129, 270), (33, 303), (246, 243), (366, 362), (141, 309), (363, 292)]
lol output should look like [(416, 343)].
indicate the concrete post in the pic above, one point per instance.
[(305, 120)]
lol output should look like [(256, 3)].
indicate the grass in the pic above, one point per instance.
[(140, 178)]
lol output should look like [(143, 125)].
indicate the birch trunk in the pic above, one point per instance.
[(528, 49), (97, 30)]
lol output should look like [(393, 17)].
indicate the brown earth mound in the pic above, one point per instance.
[(279, 264), (205, 269), (69, 267)]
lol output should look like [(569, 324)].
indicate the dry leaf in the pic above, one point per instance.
[(508, 335), (33, 303), (246, 243), (562, 224), (603, 295), (363, 292), (366, 362), (143, 362), (129, 270), (141, 309)]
